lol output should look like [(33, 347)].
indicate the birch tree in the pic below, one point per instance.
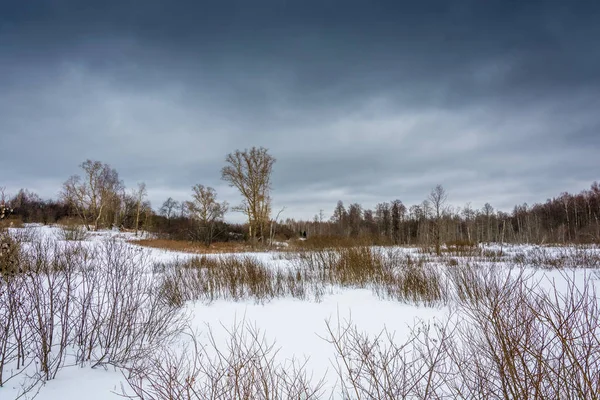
[(92, 194), (438, 197), (140, 194)]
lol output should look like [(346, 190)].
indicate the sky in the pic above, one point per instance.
[(360, 101)]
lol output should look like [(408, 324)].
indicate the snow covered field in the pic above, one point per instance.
[(297, 326)]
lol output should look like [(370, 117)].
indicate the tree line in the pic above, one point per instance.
[(98, 198), (567, 218)]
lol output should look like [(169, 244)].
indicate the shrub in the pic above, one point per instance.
[(10, 256), (245, 368), (461, 246), (72, 232), (101, 305), (508, 339)]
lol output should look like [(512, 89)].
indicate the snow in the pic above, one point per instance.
[(297, 326)]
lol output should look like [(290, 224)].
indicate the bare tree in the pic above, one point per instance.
[(424, 227), (488, 211), (383, 214), (321, 220), (438, 197), (355, 217), (469, 216), (94, 194), (168, 208), (250, 172), (340, 217), (183, 211), (565, 200), (273, 226), (207, 210), (140, 194), (398, 210)]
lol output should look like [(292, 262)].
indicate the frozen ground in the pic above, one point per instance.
[(296, 326)]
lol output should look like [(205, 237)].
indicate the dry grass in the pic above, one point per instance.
[(333, 242), (310, 274), (11, 222), (227, 277), (69, 221), (195, 247), (311, 244), (390, 274)]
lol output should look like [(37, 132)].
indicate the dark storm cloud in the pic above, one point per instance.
[(360, 101)]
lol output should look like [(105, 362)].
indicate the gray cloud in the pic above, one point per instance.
[(364, 102)]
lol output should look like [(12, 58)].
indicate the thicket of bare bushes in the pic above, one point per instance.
[(72, 231), (64, 304), (519, 340), (246, 367)]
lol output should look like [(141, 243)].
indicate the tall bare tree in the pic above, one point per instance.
[(398, 210), (383, 214), (340, 217), (168, 209), (93, 194), (438, 197), (274, 223), (321, 220), (488, 211), (250, 172), (355, 217), (140, 194), (469, 215), (205, 208)]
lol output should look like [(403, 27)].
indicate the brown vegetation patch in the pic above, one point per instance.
[(195, 247), (11, 222), (70, 221), (335, 242)]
